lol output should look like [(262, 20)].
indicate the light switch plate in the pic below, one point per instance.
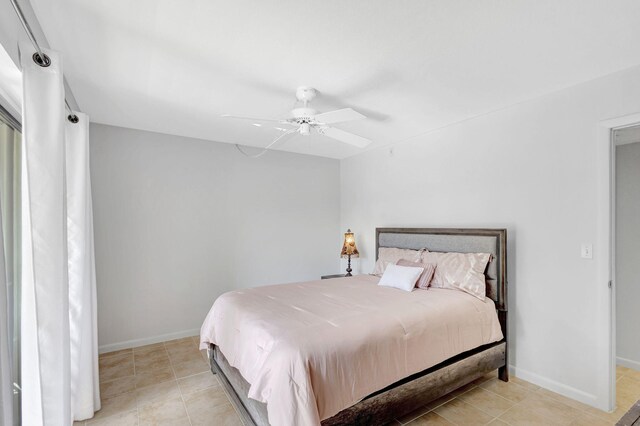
[(586, 251)]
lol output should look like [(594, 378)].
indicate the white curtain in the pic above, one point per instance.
[(59, 351), (83, 320)]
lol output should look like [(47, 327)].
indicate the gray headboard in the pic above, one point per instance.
[(492, 241)]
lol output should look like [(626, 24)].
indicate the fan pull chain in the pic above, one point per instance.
[(264, 151)]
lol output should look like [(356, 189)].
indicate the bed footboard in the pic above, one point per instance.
[(383, 406)]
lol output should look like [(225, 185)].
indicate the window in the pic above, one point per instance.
[(10, 149)]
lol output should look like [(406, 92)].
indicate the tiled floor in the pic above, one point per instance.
[(163, 384), (491, 401), (170, 384)]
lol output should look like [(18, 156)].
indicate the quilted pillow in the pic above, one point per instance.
[(460, 271), (387, 255)]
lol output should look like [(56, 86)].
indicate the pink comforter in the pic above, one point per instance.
[(310, 350)]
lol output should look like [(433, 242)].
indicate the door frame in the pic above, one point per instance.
[(605, 269)]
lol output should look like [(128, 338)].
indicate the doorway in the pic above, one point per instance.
[(626, 263)]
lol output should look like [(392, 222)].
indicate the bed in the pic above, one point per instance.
[(347, 351)]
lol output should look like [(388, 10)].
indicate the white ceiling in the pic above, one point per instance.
[(412, 66)]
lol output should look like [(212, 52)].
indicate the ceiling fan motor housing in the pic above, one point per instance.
[(303, 115)]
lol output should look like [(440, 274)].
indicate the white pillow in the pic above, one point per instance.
[(402, 277)]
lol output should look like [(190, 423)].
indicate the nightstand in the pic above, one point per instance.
[(328, 277)]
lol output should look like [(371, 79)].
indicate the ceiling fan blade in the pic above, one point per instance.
[(338, 116), (345, 137), (239, 117)]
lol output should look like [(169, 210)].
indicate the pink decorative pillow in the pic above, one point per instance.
[(387, 255), (460, 271), (427, 274)]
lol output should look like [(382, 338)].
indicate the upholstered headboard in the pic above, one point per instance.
[(492, 241)]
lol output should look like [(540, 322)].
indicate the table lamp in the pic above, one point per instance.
[(349, 249)]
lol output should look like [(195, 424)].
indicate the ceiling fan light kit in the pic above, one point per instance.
[(304, 119)]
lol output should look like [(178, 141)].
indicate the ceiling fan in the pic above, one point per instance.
[(304, 120)]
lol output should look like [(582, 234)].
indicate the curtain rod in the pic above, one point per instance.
[(39, 57), (9, 119)]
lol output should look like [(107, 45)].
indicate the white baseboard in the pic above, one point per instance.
[(147, 340), (635, 365), (557, 387)]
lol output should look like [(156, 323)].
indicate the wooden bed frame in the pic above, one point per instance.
[(419, 389)]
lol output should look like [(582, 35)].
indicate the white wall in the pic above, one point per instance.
[(179, 221), (628, 254), (531, 168)]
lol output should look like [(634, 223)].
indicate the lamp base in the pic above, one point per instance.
[(349, 267)]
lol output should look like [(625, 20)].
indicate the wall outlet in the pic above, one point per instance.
[(586, 251)]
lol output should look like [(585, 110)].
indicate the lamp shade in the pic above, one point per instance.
[(349, 246)]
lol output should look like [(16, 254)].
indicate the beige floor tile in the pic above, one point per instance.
[(171, 413), (152, 377), (498, 422), (116, 387), (197, 382), (406, 418), (146, 365), (522, 416), (189, 368), (627, 392), (612, 417), (111, 361), (158, 392), (589, 420), (571, 402), (622, 369), (116, 405), (151, 355), (511, 391), (149, 348), (115, 353), (212, 396), (431, 419), (459, 412), (180, 348), (487, 401), (211, 406), (116, 371), (183, 340), (185, 356), (550, 408), (523, 383), (625, 403), (127, 418), (633, 374), (79, 423)]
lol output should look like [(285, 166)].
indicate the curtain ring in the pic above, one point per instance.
[(43, 60)]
